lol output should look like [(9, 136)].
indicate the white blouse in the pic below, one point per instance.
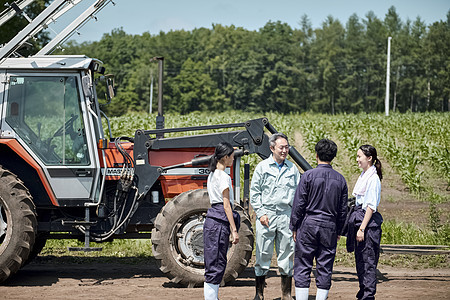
[(371, 197), (218, 181)]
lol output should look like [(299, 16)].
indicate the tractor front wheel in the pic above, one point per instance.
[(39, 244), (177, 240), (18, 224)]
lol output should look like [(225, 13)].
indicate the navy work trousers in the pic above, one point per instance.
[(367, 253), (315, 239), (216, 239)]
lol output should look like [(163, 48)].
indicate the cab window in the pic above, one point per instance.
[(45, 112)]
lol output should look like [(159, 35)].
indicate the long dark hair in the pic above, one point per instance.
[(222, 149), (370, 150)]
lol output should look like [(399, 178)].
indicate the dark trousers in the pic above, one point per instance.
[(216, 239), (367, 253), (315, 239)]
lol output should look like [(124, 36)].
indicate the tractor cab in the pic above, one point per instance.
[(49, 108)]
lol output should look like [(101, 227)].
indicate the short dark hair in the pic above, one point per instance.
[(326, 150)]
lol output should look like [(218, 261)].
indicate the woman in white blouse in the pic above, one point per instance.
[(364, 235), (221, 220)]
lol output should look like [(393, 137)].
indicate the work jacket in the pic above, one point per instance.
[(272, 189)]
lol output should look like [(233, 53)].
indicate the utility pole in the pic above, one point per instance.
[(388, 71)]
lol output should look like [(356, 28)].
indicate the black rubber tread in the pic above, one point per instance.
[(22, 224), (185, 204), (39, 244)]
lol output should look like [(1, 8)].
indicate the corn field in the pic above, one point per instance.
[(415, 145)]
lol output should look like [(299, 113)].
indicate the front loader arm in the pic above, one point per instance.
[(252, 140)]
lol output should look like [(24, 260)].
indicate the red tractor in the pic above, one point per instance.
[(61, 179)]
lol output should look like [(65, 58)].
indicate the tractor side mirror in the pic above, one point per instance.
[(111, 90), (86, 83)]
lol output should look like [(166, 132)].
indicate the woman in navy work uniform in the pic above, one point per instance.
[(220, 220), (364, 236)]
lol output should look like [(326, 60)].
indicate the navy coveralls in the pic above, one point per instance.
[(318, 214), (367, 252), (216, 239)]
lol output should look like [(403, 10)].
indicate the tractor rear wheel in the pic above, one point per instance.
[(177, 240), (18, 224)]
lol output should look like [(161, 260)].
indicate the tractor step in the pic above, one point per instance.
[(87, 233)]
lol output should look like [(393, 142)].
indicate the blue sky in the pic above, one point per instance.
[(138, 16)]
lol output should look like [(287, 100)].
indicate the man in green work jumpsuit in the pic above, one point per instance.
[(271, 194)]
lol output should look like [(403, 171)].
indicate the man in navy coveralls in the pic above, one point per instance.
[(318, 215)]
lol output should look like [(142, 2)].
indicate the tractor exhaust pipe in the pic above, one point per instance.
[(160, 116)]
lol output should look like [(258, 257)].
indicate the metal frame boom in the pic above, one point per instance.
[(11, 11), (79, 22), (49, 15), (34, 27)]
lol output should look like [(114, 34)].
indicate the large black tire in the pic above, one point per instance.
[(177, 240), (39, 244), (18, 224)]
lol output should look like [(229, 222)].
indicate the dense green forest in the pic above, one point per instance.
[(333, 69), (337, 68)]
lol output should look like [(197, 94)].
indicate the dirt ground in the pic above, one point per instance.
[(122, 281)]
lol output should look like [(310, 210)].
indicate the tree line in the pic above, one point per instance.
[(337, 68)]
